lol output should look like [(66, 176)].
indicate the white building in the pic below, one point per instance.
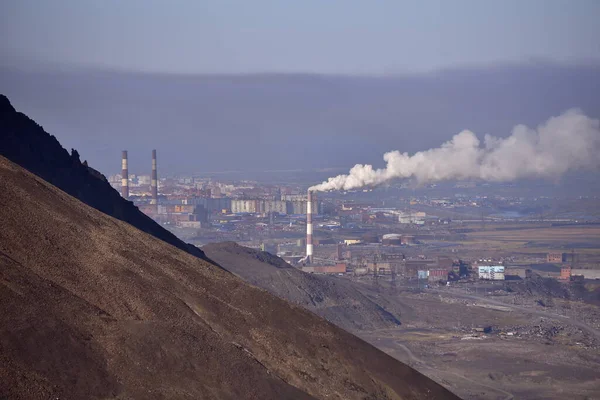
[(417, 218), (491, 272), (244, 206)]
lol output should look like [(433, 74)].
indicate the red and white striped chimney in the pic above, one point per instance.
[(124, 176), (154, 183), (309, 228)]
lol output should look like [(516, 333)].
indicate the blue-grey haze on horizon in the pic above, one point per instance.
[(315, 84)]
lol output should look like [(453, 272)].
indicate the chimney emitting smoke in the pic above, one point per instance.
[(309, 228)]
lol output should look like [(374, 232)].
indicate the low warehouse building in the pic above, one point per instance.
[(392, 239), (325, 269), (513, 273), (438, 275), (586, 273)]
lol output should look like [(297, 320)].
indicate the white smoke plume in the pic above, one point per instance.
[(568, 142)]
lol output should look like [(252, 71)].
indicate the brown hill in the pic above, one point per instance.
[(91, 307), (337, 300), (26, 143)]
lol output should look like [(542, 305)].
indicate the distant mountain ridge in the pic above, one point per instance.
[(26, 143), (288, 121)]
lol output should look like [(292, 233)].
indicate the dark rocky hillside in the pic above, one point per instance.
[(335, 299), (26, 143), (93, 308)]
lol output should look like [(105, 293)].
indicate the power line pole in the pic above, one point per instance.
[(393, 267), (375, 274), (376, 258)]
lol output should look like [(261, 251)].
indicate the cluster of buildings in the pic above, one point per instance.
[(417, 217), (558, 266), (444, 268), (199, 212), (191, 203), (395, 265), (280, 207), (255, 215)]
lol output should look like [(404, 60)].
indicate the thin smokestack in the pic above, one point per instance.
[(154, 184), (309, 228), (124, 176)]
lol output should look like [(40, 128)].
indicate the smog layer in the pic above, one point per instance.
[(565, 143)]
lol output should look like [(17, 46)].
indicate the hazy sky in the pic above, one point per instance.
[(503, 63), (330, 36)]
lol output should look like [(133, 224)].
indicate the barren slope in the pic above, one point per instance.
[(93, 307), (336, 300), (26, 143)]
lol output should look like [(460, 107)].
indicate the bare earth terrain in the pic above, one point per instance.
[(91, 307), (531, 352)]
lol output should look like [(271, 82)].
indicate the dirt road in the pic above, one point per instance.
[(421, 365), (595, 332)]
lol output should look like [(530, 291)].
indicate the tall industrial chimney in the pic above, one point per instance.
[(124, 176), (309, 228), (154, 184)]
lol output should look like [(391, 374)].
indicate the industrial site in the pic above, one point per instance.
[(299, 200), (471, 272)]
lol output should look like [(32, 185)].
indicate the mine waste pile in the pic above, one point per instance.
[(93, 307), (339, 301)]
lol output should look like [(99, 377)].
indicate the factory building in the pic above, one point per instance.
[(410, 267), (565, 273), (491, 272), (554, 257), (437, 274), (340, 268), (385, 267), (586, 273), (517, 272), (417, 218), (396, 239)]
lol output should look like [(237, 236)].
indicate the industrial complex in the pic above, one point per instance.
[(350, 235)]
